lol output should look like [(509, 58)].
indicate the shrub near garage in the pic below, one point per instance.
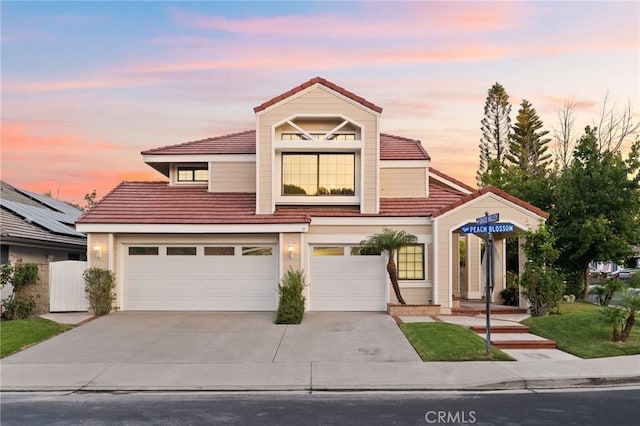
[(291, 304), (99, 288)]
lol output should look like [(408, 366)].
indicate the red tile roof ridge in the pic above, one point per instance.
[(324, 82), (496, 191), (404, 138), (115, 188), (228, 135), (453, 180)]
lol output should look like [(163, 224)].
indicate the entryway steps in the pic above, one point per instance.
[(478, 311), (517, 340), (524, 344), (516, 328)]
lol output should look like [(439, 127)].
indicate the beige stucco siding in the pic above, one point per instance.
[(403, 182), (317, 101), (232, 177), (106, 251), (446, 224)]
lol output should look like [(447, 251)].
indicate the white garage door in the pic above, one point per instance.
[(344, 280), (200, 277)]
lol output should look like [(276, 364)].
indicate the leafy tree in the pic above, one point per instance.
[(390, 241), (496, 127), (542, 284), (597, 205), (90, 200)]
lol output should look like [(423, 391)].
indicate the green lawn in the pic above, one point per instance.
[(579, 329), (19, 334), (436, 341)]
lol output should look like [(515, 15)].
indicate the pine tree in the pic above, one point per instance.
[(528, 145), (496, 127)]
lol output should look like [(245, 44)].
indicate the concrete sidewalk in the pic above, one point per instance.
[(369, 376), (142, 352)]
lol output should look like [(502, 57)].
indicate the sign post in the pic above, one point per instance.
[(488, 252), (488, 225)]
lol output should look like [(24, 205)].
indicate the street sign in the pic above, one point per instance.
[(483, 220), (494, 228)]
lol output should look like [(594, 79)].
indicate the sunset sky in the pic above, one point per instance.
[(86, 86)]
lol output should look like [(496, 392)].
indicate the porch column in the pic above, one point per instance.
[(500, 268), (455, 264), (474, 285), (522, 260)]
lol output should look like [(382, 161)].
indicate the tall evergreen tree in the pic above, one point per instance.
[(496, 127), (528, 149)]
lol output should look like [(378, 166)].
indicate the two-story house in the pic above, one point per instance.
[(301, 190)]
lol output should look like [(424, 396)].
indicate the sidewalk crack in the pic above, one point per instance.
[(286, 327)]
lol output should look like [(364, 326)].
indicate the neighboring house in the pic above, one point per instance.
[(38, 229), (301, 190)]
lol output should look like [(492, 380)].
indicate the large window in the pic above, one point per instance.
[(193, 174), (411, 262), (318, 174)]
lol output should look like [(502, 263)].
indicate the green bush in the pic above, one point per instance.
[(18, 307), (99, 288), (511, 294), (291, 304), (544, 289), (20, 276)]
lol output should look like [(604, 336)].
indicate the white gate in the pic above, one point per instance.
[(66, 286)]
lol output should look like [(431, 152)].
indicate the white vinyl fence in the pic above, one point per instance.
[(66, 286)]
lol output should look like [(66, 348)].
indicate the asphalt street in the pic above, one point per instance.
[(573, 407)]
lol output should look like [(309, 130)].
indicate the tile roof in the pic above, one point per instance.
[(451, 179), (400, 148), (233, 143), (158, 203), (326, 83), (496, 191), (391, 147)]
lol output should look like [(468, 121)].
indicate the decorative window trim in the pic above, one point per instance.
[(318, 155), (401, 270)]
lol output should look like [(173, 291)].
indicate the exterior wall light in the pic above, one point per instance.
[(97, 249), (291, 247)]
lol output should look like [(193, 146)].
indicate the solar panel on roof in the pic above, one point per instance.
[(48, 219), (72, 212)]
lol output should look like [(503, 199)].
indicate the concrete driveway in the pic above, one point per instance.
[(128, 350)]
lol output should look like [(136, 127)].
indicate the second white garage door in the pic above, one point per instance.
[(343, 280), (200, 277)]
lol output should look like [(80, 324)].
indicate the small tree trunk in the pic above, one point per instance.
[(616, 333), (628, 325), (393, 275)]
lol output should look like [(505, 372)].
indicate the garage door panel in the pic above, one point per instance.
[(200, 282), (347, 283)]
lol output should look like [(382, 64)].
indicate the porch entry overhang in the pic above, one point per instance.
[(458, 255)]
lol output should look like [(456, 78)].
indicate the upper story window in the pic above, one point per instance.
[(318, 137), (318, 174), (193, 174)]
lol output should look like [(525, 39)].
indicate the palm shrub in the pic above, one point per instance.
[(291, 303), (605, 290), (623, 317), (390, 241), (99, 288)]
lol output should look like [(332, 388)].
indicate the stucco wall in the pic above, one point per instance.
[(232, 177), (403, 183)]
